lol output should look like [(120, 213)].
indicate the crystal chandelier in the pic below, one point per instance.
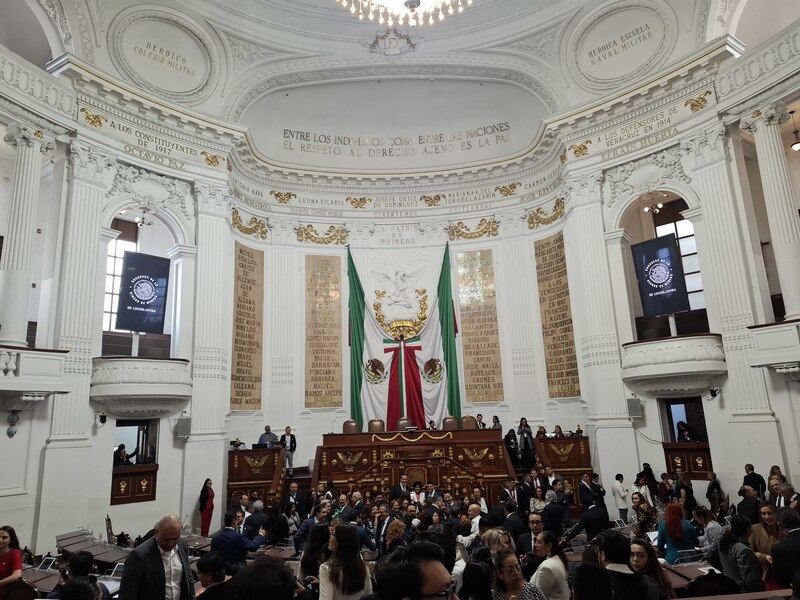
[(410, 12)]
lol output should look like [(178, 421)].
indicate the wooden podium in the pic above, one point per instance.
[(453, 460), (260, 470), (569, 457)]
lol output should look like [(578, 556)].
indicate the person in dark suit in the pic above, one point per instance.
[(257, 521), (384, 520), (479, 419), (399, 489), (587, 492), (352, 510), (144, 576), (319, 514), (233, 546), (755, 481), (594, 520), (786, 554), (289, 441), (293, 497), (553, 513), (513, 522), (524, 545)]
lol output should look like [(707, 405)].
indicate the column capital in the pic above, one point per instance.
[(695, 215), (107, 235), (617, 236), (89, 163), (213, 198), (20, 135), (181, 251), (772, 113), (706, 147), (584, 189)]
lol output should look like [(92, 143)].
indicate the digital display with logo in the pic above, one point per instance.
[(659, 272), (143, 293)]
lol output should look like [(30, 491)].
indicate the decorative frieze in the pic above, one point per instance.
[(89, 164), (486, 228), (175, 193), (539, 216), (39, 89), (255, 227), (334, 235), (645, 175)]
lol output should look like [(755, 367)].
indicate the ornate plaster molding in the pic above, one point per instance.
[(707, 146), (674, 366), (333, 235), (85, 29), (176, 194), (89, 163), (645, 175), (539, 215), (39, 89), (773, 113), (24, 136), (55, 12), (119, 50), (309, 71), (584, 189), (541, 44), (212, 199), (245, 53), (255, 227), (485, 228)]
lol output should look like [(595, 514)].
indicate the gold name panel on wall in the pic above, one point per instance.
[(554, 306), (323, 332), (483, 377), (248, 329)]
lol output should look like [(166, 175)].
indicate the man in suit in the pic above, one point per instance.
[(786, 554), (257, 521), (233, 546), (524, 494), (587, 493), (594, 520), (293, 497), (479, 419), (145, 576), (513, 522), (399, 489), (553, 514), (351, 511), (289, 441), (384, 520), (508, 492), (755, 481), (319, 514), (524, 545)]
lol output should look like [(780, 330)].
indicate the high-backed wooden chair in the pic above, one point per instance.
[(20, 590), (469, 422), (450, 424), (402, 423), (376, 426), (350, 426)]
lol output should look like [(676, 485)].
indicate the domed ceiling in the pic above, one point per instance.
[(321, 91)]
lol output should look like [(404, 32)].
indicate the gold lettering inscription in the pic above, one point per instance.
[(248, 329)]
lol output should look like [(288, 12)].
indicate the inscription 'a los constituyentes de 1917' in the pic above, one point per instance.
[(400, 146)]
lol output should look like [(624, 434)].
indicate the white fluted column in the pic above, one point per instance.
[(595, 330), (184, 265), (784, 221), (618, 247), (15, 268)]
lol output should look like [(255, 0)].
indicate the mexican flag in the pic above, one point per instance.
[(416, 377)]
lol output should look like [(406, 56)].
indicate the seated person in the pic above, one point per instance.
[(10, 556), (675, 534), (121, 456), (80, 564)]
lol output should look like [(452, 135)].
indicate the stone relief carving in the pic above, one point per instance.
[(152, 191), (245, 52), (55, 12), (699, 349), (541, 44), (702, 23), (20, 136), (706, 147), (89, 163), (584, 190), (159, 372), (391, 43), (772, 114), (213, 199), (84, 28), (645, 175)]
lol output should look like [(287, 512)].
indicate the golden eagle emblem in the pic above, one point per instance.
[(475, 456), (349, 460), (562, 450), (256, 463)]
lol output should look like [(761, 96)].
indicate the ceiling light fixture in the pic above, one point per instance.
[(796, 143), (654, 208), (400, 12), (142, 221)]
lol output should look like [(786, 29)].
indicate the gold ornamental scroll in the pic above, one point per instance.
[(483, 377), (248, 329), (323, 332), (560, 358)]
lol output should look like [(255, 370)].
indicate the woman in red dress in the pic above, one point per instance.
[(10, 556), (206, 507)]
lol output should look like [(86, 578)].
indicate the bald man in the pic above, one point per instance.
[(159, 568)]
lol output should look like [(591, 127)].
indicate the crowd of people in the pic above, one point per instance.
[(430, 543)]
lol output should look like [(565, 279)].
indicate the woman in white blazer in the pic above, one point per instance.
[(551, 576)]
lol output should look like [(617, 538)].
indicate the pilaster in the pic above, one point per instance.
[(184, 278), (15, 268), (618, 248), (784, 221)]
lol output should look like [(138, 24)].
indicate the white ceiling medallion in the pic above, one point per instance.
[(165, 53), (618, 42)]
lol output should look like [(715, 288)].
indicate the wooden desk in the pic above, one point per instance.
[(750, 595), (70, 549), (44, 581), (197, 543), (71, 534), (112, 556), (453, 460)]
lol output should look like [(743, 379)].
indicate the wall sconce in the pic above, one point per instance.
[(796, 144), (12, 419)]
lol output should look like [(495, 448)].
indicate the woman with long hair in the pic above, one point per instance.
[(206, 507), (525, 441), (686, 494), (645, 562), (394, 535), (538, 501), (558, 432), (763, 536), (646, 516), (497, 539), (345, 576), (551, 574), (211, 573), (641, 486), (734, 557), (509, 582), (10, 556), (316, 551), (512, 447), (775, 471), (675, 533)]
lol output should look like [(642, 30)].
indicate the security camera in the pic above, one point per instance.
[(714, 392), (102, 418)]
